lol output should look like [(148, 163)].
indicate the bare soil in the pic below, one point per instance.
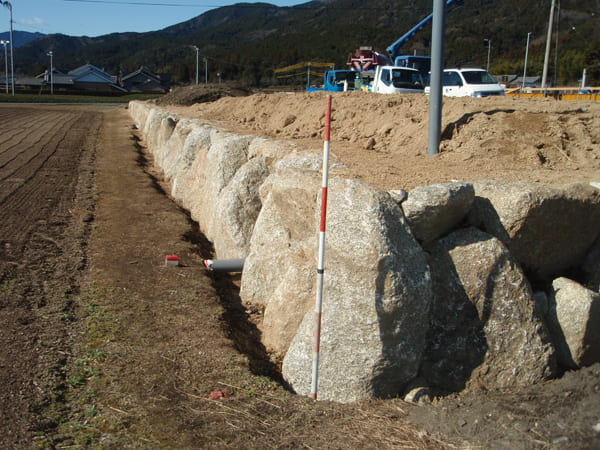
[(103, 345)]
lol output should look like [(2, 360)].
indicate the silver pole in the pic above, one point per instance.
[(548, 44), (526, 56), (5, 62), (489, 43), (197, 50), (12, 61), (437, 60), (51, 76)]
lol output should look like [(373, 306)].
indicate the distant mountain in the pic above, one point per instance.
[(20, 38), (247, 41)]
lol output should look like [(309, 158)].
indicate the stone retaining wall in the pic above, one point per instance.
[(488, 284)]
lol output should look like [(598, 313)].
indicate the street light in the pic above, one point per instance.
[(5, 62), (489, 44), (51, 70), (526, 55), (12, 62), (197, 50)]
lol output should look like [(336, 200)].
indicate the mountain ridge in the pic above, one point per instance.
[(247, 41)]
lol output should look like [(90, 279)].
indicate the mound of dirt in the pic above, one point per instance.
[(382, 139), (202, 93)]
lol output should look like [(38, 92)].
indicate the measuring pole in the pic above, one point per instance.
[(321, 258)]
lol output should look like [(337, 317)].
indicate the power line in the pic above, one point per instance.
[(116, 2), (310, 5)]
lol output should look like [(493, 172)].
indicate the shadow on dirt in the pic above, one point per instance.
[(236, 321)]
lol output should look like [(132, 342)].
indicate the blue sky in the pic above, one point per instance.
[(98, 17)]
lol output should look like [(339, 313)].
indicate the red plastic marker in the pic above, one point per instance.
[(171, 260)]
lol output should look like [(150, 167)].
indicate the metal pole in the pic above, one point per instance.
[(51, 76), (321, 258), (526, 56), (548, 44), (437, 57), (489, 43), (12, 61), (197, 50), (555, 77), (5, 62)]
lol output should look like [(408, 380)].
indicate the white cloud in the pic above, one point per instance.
[(36, 23)]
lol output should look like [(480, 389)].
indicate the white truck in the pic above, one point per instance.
[(395, 80), (469, 82)]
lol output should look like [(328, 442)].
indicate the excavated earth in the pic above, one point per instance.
[(103, 345)]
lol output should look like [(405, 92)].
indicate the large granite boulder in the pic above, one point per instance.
[(182, 176), (237, 209), (547, 230), (485, 329), (436, 209), (591, 267), (173, 161), (574, 321), (215, 169), (376, 297), (280, 266)]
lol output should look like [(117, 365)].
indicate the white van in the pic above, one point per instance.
[(471, 82)]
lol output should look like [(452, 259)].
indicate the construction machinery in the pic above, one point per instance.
[(375, 72), (421, 63)]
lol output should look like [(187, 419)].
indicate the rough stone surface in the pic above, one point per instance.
[(591, 267), (547, 230), (271, 150), (227, 153), (377, 292), (283, 245), (434, 210), (574, 320), (183, 176), (485, 328), (173, 161), (237, 209)]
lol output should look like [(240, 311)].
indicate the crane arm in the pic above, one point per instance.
[(394, 49)]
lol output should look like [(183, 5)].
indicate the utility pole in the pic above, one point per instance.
[(437, 59), (12, 61), (197, 50), (526, 56), (548, 45), (489, 44), (51, 70), (5, 62)]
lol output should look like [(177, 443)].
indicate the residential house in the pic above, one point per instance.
[(90, 78), (144, 80)]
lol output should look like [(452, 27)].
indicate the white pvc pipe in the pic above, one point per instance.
[(321, 257)]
